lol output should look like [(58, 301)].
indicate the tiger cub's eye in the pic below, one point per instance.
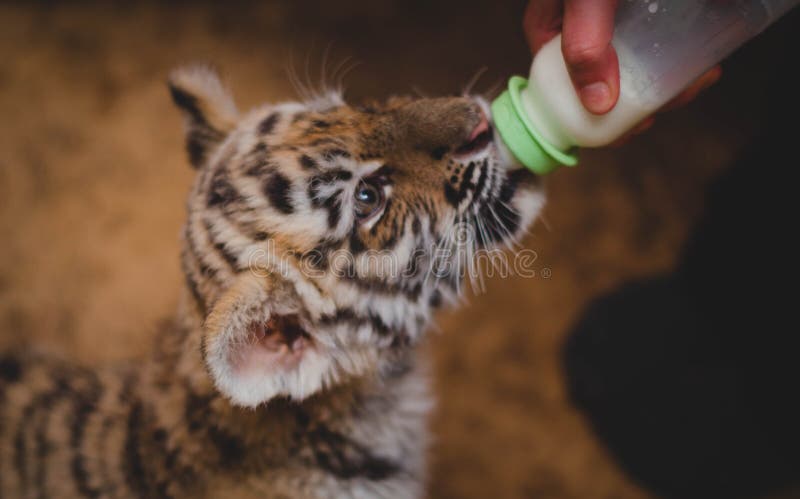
[(369, 200)]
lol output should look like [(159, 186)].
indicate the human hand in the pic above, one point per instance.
[(587, 27)]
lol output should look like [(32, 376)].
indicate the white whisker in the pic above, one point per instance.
[(472, 81)]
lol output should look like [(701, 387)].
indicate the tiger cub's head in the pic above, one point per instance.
[(321, 235)]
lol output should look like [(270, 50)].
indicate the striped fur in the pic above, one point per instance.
[(292, 367)]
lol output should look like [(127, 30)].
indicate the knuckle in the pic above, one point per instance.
[(582, 52)]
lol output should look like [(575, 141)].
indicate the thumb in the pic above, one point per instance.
[(591, 59)]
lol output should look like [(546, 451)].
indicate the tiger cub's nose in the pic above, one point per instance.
[(478, 140)]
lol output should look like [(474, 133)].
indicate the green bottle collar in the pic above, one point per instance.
[(521, 137)]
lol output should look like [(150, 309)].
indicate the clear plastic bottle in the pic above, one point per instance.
[(662, 46)]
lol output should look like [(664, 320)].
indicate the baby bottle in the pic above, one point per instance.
[(662, 46)]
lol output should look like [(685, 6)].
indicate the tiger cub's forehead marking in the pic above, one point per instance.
[(315, 140)]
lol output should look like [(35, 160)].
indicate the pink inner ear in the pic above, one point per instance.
[(275, 346)]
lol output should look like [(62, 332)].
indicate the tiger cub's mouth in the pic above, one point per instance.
[(490, 181)]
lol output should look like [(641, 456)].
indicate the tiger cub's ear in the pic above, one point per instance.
[(256, 349), (208, 107)]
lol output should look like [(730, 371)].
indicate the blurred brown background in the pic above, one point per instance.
[(93, 177)]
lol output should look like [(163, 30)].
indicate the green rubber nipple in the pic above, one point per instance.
[(519, 134)]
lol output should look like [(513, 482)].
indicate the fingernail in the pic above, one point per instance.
[(596, 97), (711, 77)]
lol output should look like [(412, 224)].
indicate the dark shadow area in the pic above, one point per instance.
[(691, 379)]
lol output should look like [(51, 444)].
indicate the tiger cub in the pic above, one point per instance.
[(319, 239)]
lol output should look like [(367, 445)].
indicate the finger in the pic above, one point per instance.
[(643, 126), (542, 22), (592, 63), (706, 80)]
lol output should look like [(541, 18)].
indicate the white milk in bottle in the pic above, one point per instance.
[(554, 108)]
